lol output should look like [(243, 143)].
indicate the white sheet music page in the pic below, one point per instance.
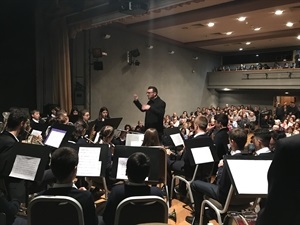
[(89, 163), (55, 137), (121, 170), (250, 176), (202, 155), (177, 139), (36, 132), (25, 167)]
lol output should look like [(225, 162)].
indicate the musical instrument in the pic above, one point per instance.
[(241, 218), (5, 118)]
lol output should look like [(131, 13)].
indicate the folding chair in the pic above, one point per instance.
[(233, 202), (141, 209), (55, 210)]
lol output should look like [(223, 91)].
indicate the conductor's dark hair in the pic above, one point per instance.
[(15, 118), (264, 135), (154, 89), (238, 135), (63, 162), (138, 167)]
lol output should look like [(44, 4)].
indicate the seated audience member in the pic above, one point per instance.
[(64, 163), (151, 138), (139, 127), (218, 191), (137, 169), (282, 204)]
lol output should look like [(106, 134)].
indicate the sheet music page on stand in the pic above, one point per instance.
[(121, 170), (89, 164), (177, 139), (55, 138), (202, 155), (25, 167), (36, 132)]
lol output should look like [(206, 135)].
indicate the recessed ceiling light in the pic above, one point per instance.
[(257, 55), (210, 24), (226, 89), (278, 12), (257, 28), (289, 24), (240, 49), (228, 33), (242, 18), (298, 37), (248, 43), (286, 92)]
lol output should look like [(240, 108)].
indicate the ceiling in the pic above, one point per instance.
[(185, 23)]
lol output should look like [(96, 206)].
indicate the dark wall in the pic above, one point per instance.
[(17, 54)]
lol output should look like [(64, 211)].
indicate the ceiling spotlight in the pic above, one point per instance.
[(171, 52), (257, 28), (278, 12), (240, 49), (210, 24), (286, 92), (195, 57), (257, 55), (226, 89), (298, 37), (248, 43), (242, 18), (150, 47), (289, 24), (106, 36), (229, 33)]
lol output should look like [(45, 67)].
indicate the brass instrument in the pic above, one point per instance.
[(5, 118)]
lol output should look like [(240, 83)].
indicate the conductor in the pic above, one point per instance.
[(155, 109)]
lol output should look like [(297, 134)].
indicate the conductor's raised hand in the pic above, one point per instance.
[(135, 97)]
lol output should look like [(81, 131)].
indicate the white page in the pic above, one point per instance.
[(25, 167), (136, 143), (202, 155), (55, 137), (177, 139), (89, 164), (250, 176), (96, 139), (134, 139), (36, 132), (121, 169)]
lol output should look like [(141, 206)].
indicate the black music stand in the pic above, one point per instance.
[(40, 127), (248, 174), (172, 134), (64, 131), (114, 122)]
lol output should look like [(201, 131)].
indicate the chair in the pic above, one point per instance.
[(141, 209), (233, 202), (55, 210)]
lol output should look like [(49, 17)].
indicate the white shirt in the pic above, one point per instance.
[(262, 150)]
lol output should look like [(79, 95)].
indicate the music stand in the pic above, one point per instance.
[(157, 157), (114, 122), (42, 127), (174, 136), (248, 174), (59, 135), (134, 139)]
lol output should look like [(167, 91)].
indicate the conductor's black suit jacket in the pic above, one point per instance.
[(283, 201), (155, 115)]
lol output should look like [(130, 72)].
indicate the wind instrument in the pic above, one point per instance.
[(5, 118)]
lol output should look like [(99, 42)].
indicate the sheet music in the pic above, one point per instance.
[(36, 132), (55, 137), (202, 155), (250, 176), (25, 167), (121, 169), (134, 139), (177, 139), (89, 164)]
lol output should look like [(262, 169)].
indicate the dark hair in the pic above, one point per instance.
[(138, 167), (278, 134), (106, 132), (154, 89), (63, 162), (151, 137), (264, 135), (80, 128), (222, 118), (82, 112), (16, 117), (201, 122), (103, 109), (239, 136)]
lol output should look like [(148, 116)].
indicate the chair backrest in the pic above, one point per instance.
[(55, 210), (141, 209)]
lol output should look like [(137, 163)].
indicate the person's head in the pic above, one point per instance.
[(221, 120), (62, 116), (151, 137), (64, 163), (103, 112), (107, 134), (74, 111), (138, 167), (35, 114), (17, 120), (200, 123), (152, 92), (275, 136), (237, 138), (80, 129), (85, 115), (261, 138), (127, 127)]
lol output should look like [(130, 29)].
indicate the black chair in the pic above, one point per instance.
[(141, 209), (55, 210)]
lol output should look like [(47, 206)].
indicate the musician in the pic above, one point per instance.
[(35, 118), (79, 132), (155, 109), (103, 114)]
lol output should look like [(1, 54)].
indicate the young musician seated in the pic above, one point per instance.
[(137, 169), (64, 163)]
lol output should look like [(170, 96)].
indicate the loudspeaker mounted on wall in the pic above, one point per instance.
[(98, 65)]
